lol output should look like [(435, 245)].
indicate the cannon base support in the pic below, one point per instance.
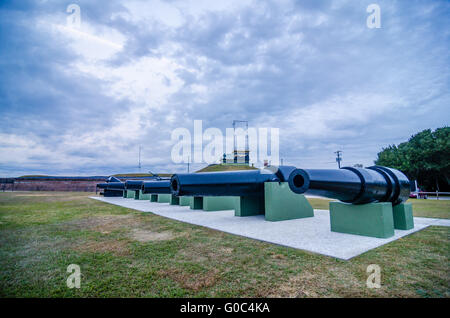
[(283, 204), (153, 198), (164, 198), (218, 203), (184, 201), (196, 203), (403, 216), (248, 206), (124, 195), (130, 194), (174, 200), (143, 196), (278, 203), (136, 194), (372, 219)]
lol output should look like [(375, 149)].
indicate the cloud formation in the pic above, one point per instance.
[(81, 101)]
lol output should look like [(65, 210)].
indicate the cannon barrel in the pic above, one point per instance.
[(353, 185), (102, 185), (116, 186), (156, 187), (133, 184), (231, 183), (112, 183), (127, 185)]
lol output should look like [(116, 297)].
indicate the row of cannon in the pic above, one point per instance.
[(348, 184)]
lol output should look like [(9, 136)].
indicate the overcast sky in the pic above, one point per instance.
[(81, 101)]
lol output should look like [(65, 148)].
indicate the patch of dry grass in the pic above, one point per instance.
[(318, 203), (192, 281), (116, 247), (148, 236)]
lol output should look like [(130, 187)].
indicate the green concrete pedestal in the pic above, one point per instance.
[(184, 201), (403, 216), (218, 203), (247, 206), (196, 203), (130, 194), (164, 198), (283, 204), (153, 198), (372, 219), (144, 196), (174, 200)]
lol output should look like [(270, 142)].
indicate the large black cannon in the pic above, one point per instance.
[(112, 187), (103, 185), (116, 186), (351, 185), (133, 184), (231, 183), (162, 186), (112, 183)]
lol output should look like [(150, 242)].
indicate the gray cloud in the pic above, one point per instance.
[(311, 68)]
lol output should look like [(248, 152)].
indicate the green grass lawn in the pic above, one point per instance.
[(122, 252), (222, 167), (431, 208), (424, 208)]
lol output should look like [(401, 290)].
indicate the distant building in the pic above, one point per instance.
[(238, 157)]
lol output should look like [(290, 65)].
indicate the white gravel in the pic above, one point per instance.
[(310, 234)]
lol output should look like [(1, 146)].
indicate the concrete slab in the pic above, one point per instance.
[(310, 234)]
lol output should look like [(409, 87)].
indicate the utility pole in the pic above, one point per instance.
[(139, 166), (338, 158)]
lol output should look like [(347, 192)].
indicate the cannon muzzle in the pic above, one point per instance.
[(353, 185)]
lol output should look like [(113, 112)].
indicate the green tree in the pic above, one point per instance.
[(425, 157)]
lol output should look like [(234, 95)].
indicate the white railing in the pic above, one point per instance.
[(436, 193)]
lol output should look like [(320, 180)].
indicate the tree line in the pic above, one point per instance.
[(425, 157)]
